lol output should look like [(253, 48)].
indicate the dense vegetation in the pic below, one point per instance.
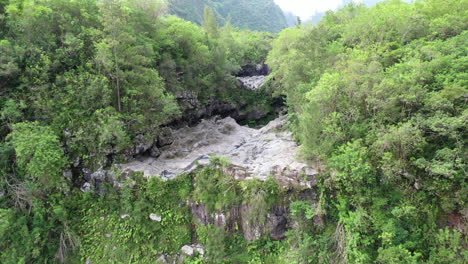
[(80, 82), (377, 98), (259, 15)]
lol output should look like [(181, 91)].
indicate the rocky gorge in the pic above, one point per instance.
[(259, 154), (267, 153)]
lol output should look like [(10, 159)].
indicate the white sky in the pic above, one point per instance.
[(307, 8)]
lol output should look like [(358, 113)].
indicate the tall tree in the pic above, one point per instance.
[(126, 55), (210, 24)]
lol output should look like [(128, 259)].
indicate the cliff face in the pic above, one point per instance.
[(259, 15)]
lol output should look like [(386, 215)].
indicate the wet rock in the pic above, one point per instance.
[(278, 222)]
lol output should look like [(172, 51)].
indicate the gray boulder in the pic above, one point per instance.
[(165, 137), (188, 250)]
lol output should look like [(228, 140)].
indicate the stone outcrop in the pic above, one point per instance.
[(253, 70), (252, 82), (193, 110)]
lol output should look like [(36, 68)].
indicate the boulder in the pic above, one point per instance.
[(165, 137), (142, 144), (188, 250), (192, 250), (68, 174), (155, 217), (123, 216)]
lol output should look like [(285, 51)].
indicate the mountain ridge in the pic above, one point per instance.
[(257, 15)]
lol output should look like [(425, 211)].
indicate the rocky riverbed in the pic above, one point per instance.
[(252, 82), (254, 153)]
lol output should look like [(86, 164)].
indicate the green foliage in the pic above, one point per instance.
[(125, 56), (210, 24), (212, 237), (119, 227), (369, 89), (448, 247), (80, 81), (376, 95), (353, 172), (39, 153), (214, 188), (43, 233), (301, 209)]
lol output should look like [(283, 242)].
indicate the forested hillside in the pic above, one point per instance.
[(85, 84), (376, 102), (314, 19), (378, 96), (259, 15)]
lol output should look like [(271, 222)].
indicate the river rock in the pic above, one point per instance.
[(142, 144), (155, 217), (165, 137), (188, 250), (252, 82)]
